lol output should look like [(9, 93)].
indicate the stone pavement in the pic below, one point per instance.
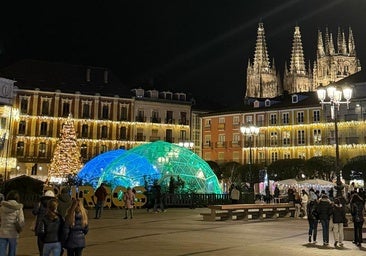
[(181, 232)]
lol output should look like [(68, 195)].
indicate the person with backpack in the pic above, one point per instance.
[(312, 220), (357, 212)]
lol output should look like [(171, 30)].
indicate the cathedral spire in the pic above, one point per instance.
[(297, 62), (261, 60), (326, 41), (331, 45), (320, 50), (351, 43)]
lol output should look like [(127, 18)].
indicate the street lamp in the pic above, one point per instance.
[(335, 100), (249, 131)]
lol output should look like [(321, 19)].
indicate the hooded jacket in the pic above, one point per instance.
[(10, 212), (64, 202)]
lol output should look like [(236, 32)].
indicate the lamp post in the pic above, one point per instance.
[(335, 100), (249, 131)]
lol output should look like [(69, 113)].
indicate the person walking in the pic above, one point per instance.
[(158, 201), (39, 211), (129, 199), (50, 230), (297, 203), (75, 229), (357, 212), (339, 215), (11, 212), (324, 210), (304, 202), (313, 220), (101, 195)]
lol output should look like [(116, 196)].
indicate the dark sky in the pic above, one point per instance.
[(198, 47)]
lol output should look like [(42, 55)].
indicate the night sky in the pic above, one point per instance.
[(198, 47)]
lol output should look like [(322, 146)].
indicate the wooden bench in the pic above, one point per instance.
[(244, 211)]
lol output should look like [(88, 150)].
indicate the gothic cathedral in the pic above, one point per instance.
[(332, 64)]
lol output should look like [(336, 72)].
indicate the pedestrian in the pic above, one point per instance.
[(129, 199), (276, 194), (304, 202), (75, 229), (158, 199), (297, 203), (101, 195), (11, 212), (357, 212), (234, 195), (50, 230), (324, 210), (39, 211), (313, 219), (339, 216), (64, 201), (268, 194)]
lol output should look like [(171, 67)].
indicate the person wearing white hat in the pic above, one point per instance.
[(39, 211)]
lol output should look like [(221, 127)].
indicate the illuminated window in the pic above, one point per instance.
[(43, 129), (207, 123), (286, 155), (20, 148), (24, 106), (301, 137), (236, 156), (236, 120), (286, 137), (221, 156), (273, 138), (300, 117), (273, 119), (42, 149), (316, 116), (285, 118), (84, 131), (236, 138), (140, 134), (169, 117), (103, 148), (104, 132), (183, 118), (122, 133), (221, 141), (183, 135), (84, 151), (274, 156), (207, 140), (21, 127), (317, 136), (169, 135)]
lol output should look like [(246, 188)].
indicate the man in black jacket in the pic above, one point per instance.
[(324, 210)]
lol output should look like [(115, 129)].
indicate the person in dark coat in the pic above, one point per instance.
[(312, 219), (101, 195), (339, 216), (357, 211), (64, 201), (39, 211), (50, 230), (75, 229), (324, 210)]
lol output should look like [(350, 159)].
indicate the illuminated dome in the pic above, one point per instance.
[(93, 169), (172, 161)]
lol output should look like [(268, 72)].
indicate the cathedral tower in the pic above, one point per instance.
[(297, 79), (334, 64), (262, 80)]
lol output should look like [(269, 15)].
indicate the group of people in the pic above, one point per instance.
[(61, 223), (332, 214)]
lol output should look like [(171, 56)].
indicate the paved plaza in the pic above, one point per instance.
[(182, 232)]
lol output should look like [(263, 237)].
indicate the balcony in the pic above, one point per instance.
[(140, 138), (183, 122), (154, 138), (140, 118), (169, 121), (155, 119), (221, 144)]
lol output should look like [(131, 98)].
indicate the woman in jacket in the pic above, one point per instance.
[(50, 230), (339, 215), (75, 229), (312, 220), (357, 211), (129, 199), (10, 212), (324, 210)]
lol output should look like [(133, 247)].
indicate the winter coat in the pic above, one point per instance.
[(339, 213), (129, 199), (357, 210), (64, 202), (74, 237), (10, 212), (324, 209), (311, 207), (101, 194), (40, 210), (50, 230)]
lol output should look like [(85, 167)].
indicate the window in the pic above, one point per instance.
[(285, 118), (273, 138), (221, 156), (155, 116), (84, 151), (42, 149), (45, 108), (84, 131), (122, 133), (183, 135), (317, 136), (221, 124), (183, 118), (169, 117), (249, 119), (302, 155), (24, 106), (273, 119), (286, 138), (236, 120), (207, 140), (300, 117), (86, 110), (105, 112), (236, 138), (169, 135), (140, 116), (66, 109), (236, 156), (103, 149), (124, 113), (43, 129), (20, 148), (274, 156), (221, 141), (301, 137), (140, 134), (104, 133), (21, 128), (286, 155), (295, 98), (316, 116), (221, 120), (207, 123)]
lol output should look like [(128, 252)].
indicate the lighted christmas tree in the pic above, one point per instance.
[(66, 157)]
